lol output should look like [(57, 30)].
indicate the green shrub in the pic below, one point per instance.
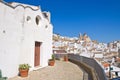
[(24, 66)]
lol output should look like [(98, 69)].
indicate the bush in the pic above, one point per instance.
[(24, 66)]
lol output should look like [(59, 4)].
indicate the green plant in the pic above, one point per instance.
[(53, 57), (24, 66), (52, 60), (1, 77)]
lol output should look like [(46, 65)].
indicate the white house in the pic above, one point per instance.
[(25, 37)]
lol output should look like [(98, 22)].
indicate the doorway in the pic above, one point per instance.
[(37, 54)]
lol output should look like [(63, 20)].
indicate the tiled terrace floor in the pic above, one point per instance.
[(61, 71)]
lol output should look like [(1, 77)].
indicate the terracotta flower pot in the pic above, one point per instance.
[(23, 73), (51, 62), (65, 58)]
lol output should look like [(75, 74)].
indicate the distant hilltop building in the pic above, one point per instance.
[(84, 37), (25, 37)]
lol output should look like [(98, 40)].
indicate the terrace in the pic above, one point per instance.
[(61, 71)]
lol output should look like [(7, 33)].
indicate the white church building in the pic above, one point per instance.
[(25, 37)]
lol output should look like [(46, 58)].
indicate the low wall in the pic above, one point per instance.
[(87, 68)]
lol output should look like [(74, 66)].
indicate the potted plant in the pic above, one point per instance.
[(52, 60), (65, 58), (23, 70)]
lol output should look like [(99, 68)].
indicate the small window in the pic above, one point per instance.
[(28, 18), (4, 31), (38, 18), (46, 26)]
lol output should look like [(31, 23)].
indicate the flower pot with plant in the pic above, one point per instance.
[(24, 69), (52, 60)]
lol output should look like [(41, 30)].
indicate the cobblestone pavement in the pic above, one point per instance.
[(61, 71)]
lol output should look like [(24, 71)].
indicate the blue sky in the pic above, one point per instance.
[(100, 19)]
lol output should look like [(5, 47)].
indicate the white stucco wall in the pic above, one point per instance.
[(98, 55), (18, 36)]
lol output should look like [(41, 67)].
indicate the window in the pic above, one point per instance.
[(38, 18), (28, 18), (46, 26)]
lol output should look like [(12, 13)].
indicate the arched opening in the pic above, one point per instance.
[(28, 18), (38, 18)]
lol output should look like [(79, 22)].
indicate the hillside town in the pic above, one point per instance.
[(83, 43), (104, 53)]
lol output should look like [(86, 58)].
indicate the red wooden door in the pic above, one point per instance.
[(37, 54)]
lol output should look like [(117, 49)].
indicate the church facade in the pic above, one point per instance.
[(25, 37)]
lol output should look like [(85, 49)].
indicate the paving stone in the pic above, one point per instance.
[(61, 71)]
